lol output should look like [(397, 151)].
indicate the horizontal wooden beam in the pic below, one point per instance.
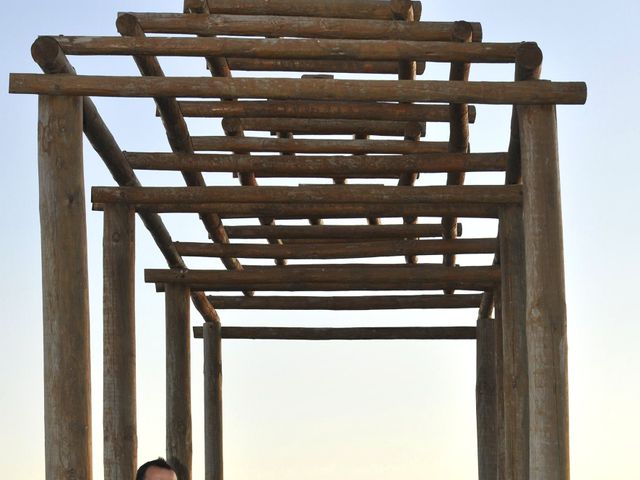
[(330, 146), (332, 194), (336, 232), (293, 49), (339, 250), (313, 166), (298, 211), (323, 66), (375, 333), (326, 110), (374, 9), (332, 277), (272, 26), (521, 93), (371, 302), (314, 126)]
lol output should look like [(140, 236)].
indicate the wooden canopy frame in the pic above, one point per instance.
[(521, 351)]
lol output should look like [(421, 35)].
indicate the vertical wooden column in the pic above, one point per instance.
[(119, 364), (486, 398), (179, 437), (545, 307), (212, 334), (515, 379), (65, 298), (499, 372)]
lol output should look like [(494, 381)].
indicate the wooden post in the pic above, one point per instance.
[(119, 380), (65, 298), (179, 438), (486, 398), (213, 400), (515, 376), (545, 308)]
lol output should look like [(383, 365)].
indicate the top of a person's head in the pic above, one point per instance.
[(159, 463)]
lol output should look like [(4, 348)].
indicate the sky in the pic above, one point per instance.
[(349, 409)]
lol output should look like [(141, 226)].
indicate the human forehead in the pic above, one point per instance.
[(157, 473)]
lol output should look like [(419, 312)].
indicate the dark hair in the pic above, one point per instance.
[(160, 463)]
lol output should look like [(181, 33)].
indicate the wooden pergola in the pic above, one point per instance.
[(522, 407)]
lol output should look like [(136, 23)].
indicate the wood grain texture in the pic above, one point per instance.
[(486, 398), (178, 392), (380, 333), (372, 302), (65, 299), (119, 340), (514, 343), (271, 26), (532, 92), (212, 334), (546, 309)]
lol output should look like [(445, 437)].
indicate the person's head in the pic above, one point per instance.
[(158, 469)]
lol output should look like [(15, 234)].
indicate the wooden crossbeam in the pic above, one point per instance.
[(310, 166), (320, 66), (313, 126), (293, 48), (370, 302), (375, 333), (315, 233), (336, 194), (507, 93), (327, 110), (330, 146), (272, 26), (339, 250), (332, 277)]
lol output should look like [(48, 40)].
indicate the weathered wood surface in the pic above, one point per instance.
[(458, 130), (546, 309), (273, 26), (119, 341), (514, 343), (49, 56), (294, 48), (380, 333), (389, 302), (327, 110), (213, 467), (326, 210), (312, 126), (374, 9), (508, 93), (358, 277), (329, 66), (486, 398), (336, 232), (310, 166), (339, 250), (178, 384), (339, 194), (65, 298), (330, 146)]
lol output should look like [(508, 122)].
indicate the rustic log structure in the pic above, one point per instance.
[(522, 406)]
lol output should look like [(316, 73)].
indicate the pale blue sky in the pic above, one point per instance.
[(366, 410)]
